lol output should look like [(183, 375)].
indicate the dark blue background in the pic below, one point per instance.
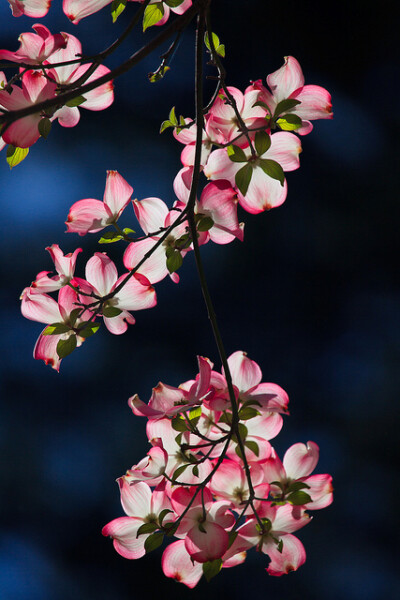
[(312, 295)]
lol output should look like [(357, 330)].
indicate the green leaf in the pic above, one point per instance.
[(195, 413), (74, 315), (232, 537), (109, 237), (243, 178), (178, 439), (173, 3), (15, 155), (236, 154), (252, 403), (205, 224), (165, 125), (289, 122), (159, 74), (212, 568), (152, 14), (219, 48), (262, 142), (285, 105), (56, 329), (248, 412), (253, 446), (163, 514), (298, 485), (243, 431), (65, 347), (299, 498), (44, 127), (146, 528), (263, 105), (117, 7), (178, 472), (127, 230), (182, 243), (170, 528), (111, 311), (179, 424), (88, 329), (153, 541), (174, 262), (272, 169), (77, 101), (195, 471), (172, 116)]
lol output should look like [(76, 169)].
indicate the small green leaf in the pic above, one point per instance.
[(285, 105), (253, 446), (152, 14), (159, 74), (253, 402), (65, 347), (111, 311), (195, 471), (15, 155), (262, 142), (236, 154), (153, 541), (127, 230), (232, 537), (174, 262), (56, 329), (243, 178), (173, 3), (247, 413), (88, 329), (117, 7), (44, 127), (219, 48), (170, 528), (243, 431), (75, 101), (272, 169), (289, 122), (165, 125), (279, 546), (295, 486), (179, 424), (183, 242), (178, 472), (263, 105), (146, 528), (205, 224), (163, 514), (109, 237), (172, 116), (74, 315), (212, 568), (195, 413), (299, 498)]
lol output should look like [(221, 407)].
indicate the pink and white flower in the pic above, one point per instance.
[(90, 215), (36, 47)]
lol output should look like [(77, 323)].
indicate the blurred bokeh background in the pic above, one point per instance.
[(312, 295)]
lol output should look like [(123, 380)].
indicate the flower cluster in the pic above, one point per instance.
[(252, 133), (211, 478), (215, 508), (43, 48)]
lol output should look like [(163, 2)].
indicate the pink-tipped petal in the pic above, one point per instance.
[(301, 459), (177, 564)]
